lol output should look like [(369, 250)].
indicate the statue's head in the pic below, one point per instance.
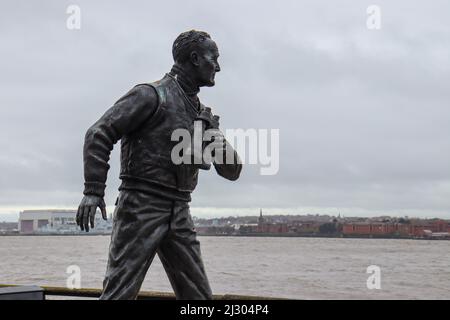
[(197, 54)]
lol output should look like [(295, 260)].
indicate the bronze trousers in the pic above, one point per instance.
[(144, 225)]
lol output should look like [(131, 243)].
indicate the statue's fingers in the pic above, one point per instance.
[(103, 210), (86, 218), (77, 219), (216, 145), (216, 121), (81, 209), (218, 134), (92, 215)]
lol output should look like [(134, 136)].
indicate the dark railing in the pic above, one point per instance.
[(143, 295)]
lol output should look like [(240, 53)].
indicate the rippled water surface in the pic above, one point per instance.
[(301, 268)]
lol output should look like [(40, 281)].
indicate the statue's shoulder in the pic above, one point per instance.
[(153, 84), (163, 82), (151, 89)]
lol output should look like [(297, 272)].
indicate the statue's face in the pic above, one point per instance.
[(207, 63)]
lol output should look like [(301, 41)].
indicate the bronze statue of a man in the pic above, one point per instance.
[(152, 210)]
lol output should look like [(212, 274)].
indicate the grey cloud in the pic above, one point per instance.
[(363, 115)]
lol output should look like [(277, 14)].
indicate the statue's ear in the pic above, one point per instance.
[(194, 58)]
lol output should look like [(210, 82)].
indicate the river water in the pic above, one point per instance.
[(299, 268)]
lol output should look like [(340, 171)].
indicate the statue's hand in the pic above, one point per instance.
[(218, 142), (211, 120), (87, 209)]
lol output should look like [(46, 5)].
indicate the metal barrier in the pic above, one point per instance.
[(143, 295)]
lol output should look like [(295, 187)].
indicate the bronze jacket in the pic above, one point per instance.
[(145, 130)]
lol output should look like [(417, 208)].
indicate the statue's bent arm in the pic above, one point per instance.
[(229, 170)]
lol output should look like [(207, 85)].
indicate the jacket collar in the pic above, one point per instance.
[(185, 81)]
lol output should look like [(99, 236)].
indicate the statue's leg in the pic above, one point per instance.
[(141, 221), (180, 255)]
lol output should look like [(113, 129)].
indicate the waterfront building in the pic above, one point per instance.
[(268, 227), (57, 221), (417, 229)]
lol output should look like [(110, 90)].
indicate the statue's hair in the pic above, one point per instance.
[(186, 42)]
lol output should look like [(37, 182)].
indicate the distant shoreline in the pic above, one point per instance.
[(253, 235), (52, 234)]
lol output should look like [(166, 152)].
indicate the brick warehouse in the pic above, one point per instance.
[(413, 229)]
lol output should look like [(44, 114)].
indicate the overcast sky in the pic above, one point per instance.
[(363, 114)]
